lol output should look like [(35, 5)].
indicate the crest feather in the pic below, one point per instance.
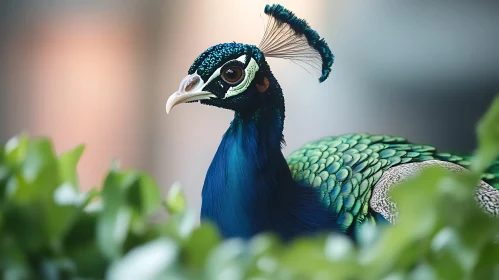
[(289, 37)]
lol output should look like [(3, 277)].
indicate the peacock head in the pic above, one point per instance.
[(236, 76), (228, 76)]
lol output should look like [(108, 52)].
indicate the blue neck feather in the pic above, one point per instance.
[(249, 188)]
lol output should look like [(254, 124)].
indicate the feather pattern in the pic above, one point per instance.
[(345, 168)]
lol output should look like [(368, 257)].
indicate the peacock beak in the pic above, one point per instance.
[(190, 89)]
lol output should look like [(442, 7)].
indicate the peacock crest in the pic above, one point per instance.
[(289, 37)]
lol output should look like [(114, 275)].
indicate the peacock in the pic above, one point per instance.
[(335, 184)]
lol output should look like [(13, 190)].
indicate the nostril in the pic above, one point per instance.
[(192, 82)]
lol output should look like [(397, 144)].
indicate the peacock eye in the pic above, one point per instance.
[(233, 75)]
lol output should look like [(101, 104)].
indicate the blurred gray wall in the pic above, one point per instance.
[(425, 70)]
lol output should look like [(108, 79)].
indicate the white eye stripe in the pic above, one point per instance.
[(242, 59), (250, 72), (215, 74)]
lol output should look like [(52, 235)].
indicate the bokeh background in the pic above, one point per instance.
[(100, 72)]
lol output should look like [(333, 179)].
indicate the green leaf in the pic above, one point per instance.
[(159, 257), (15, 150), (488, 138), (68, 206), (178, 226), (67, 195), (199, 245), (175, 201), (144, 195), (423, 271), (37, 177), (59, 222), (487, 266), (67, 165), (34, 185), (5, 177), (114, 220), (227, 261), (24, 227), (82, 247)]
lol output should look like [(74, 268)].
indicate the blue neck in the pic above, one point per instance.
[(249, 189)]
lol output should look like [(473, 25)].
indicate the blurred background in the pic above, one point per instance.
[(100, 72)]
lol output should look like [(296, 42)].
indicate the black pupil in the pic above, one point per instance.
[(231, 74)]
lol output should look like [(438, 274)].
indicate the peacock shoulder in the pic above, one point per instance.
[(345, 168)]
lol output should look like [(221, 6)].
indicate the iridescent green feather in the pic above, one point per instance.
[(346, 167)]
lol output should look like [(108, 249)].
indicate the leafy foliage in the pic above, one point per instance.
[(50, 230)]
